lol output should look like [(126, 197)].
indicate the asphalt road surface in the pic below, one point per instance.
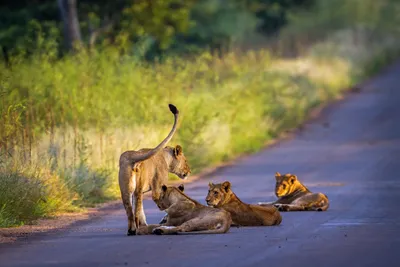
[(352, 154)]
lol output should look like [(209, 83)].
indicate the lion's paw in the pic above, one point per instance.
[(282, 207), (131, 232), (161, 230), (158, 231)]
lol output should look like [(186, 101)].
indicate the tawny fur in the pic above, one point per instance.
[(147, 170), (221, 196), (187, 216), (294, 196)]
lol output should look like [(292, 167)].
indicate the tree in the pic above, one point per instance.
[(69, 16)]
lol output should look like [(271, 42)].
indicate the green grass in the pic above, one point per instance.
[(101, 106), (30, 193), (66, 121)]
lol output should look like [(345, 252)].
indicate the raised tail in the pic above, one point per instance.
[(140, 156)]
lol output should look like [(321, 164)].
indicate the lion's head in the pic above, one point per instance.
[(218, 194), (179, 165), (285, 184), (170, 195)]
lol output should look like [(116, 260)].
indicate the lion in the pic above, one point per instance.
[(221, 196), (187, 216), (294, 196), (147, 170)]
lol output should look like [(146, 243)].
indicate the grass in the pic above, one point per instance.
[(64, 122), (30, 193)]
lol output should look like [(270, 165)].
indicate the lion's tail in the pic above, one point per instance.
[(148, 154)]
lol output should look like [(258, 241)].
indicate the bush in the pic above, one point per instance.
[(30, 193)]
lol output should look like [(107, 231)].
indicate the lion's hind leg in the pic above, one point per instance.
[(126, 198), (290, 207), (322, 203), (210, 225), (140, 217), (146, 229), (127, 185), (195, 224), (265, 203)]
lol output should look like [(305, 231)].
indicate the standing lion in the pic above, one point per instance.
[(147, 170)]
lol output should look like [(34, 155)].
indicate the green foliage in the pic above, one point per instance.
[(221, 23), (83, 111), (150, 28), (15, 16), (29, 193), (273, 14), (363, 25)]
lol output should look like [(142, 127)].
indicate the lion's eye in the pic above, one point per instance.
[(215, 193), (284, 187)]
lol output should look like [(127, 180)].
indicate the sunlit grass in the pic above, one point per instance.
[(28, 193), (84, 112)]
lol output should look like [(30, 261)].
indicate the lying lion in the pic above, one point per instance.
[(221, 196), (185, 215), (294, 196)]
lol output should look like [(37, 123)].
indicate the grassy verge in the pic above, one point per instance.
[(65, 122), (28, 193)]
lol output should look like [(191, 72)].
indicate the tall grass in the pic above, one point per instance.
[(74, 116), (28, 193)]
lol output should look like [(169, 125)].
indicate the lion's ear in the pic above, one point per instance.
[(277, 176), (210, 184), (178, 150), (293, 179), (181, 187), (226, 186), (164, 187)]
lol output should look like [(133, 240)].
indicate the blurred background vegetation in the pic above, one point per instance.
[(81, 81)]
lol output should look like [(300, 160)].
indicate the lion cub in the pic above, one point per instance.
[(185, 215), (221, 196), (294, 196)]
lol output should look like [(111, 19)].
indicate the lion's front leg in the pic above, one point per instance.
[(195, 224), (146, 229), (155, 194), (166, 230), (164, 219)]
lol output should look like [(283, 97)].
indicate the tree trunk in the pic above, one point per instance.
[(69, 16)]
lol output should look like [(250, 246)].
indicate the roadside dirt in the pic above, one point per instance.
[(57, 223)]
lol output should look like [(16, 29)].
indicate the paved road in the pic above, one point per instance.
[(352, 154)]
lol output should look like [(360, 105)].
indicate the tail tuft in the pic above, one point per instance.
[(173, 109)]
